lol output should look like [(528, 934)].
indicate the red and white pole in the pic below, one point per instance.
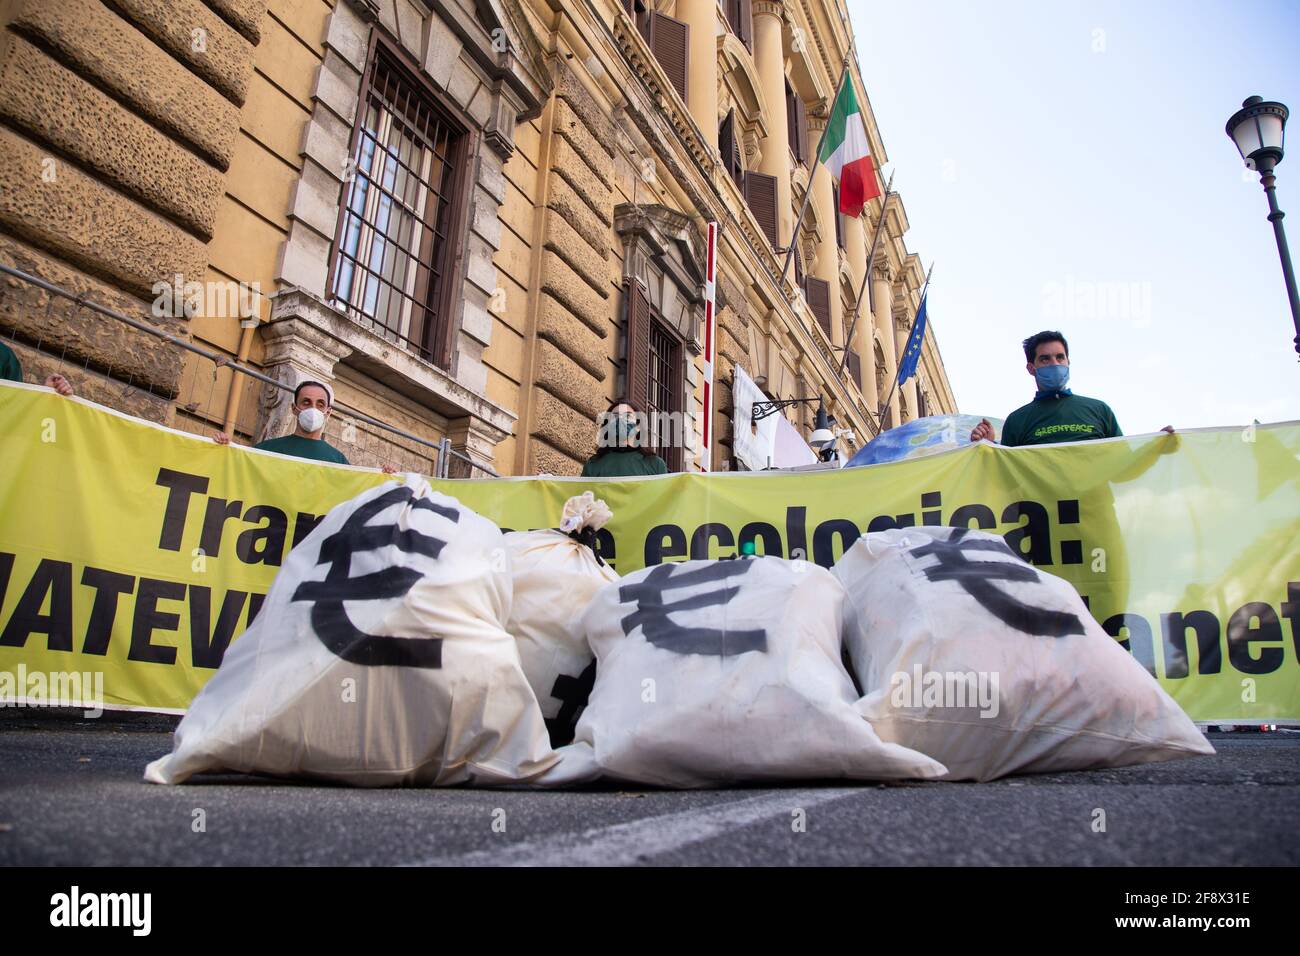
[(710, 344)]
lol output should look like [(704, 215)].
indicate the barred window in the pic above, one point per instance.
[(392, 257), (665, 386)]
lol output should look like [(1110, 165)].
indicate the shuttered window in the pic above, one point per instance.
[(760, 195), (740, 14), (796, 119), (668, 39), (855, 368), (638, 11), (818, 292), (729, 148), (637, 359)]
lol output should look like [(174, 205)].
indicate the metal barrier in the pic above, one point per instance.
[(448, 463), (450, 460)]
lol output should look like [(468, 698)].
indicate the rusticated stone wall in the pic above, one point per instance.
[(117, 126), (577, 301)]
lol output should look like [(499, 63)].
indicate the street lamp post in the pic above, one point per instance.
[(1259, 131)]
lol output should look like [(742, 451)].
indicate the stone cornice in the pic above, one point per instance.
[(710, 191), (298, 313), (520, 68), (827, 65), (367, 10), (659, 226), (666, 102)]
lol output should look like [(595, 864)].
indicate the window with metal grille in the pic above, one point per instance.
[(665, 385), (390, 269)]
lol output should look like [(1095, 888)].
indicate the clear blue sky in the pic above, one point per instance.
[(1064, 165)]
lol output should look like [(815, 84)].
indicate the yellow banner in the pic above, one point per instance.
[(140, 552)]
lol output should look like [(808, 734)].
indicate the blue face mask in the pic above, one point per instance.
[(1052, 378), (625, 429)]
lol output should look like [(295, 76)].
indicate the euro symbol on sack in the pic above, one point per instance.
[(573, 693), (977, 577), (652, 612), (330, 618)]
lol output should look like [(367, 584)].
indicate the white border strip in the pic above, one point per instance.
[(716, 475)]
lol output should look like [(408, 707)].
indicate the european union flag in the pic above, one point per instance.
[(912, 353)]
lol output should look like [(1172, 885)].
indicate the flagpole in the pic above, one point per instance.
[(807, 192), (885, 404), (866, 275), (875, 238)]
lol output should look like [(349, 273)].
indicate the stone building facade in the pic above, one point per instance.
[(476, 219)]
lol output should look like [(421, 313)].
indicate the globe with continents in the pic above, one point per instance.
[(921, 437)]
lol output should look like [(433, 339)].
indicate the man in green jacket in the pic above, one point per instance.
[(312, 404), (1056, 414)]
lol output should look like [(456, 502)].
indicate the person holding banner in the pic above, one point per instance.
[(620, 449), (11, 370), (1056, 414), (313, 402)]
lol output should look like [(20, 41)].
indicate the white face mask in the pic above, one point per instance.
[(311, 420)]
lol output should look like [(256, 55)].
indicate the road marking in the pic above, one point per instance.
[(622, 844)]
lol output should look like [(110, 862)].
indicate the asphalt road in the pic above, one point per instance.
[(71, 794)]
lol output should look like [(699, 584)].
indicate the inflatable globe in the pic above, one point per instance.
[(921, 437)]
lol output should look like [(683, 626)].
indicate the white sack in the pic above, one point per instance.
[(378, 658), (554, 578), (971, 655), (712, 672)]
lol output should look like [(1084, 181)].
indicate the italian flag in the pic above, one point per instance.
[(847, 154)]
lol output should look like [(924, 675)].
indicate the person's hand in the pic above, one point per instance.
[(982, 432), (59, 384), (221, 438), (1170, 445), (389, 470)]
